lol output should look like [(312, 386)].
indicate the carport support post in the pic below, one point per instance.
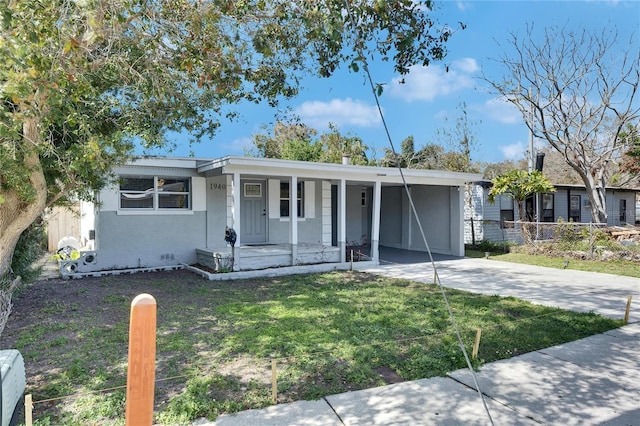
[(375, 226), (626, 312)]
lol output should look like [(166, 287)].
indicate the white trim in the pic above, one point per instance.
[(309, 170), (309, 199), (151, 212), (326, 213), (274, 198), (244, 189)]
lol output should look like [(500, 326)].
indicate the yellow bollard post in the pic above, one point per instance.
[(476, 344), (274, 381), (28, 410), (627, 311), (142, 361)]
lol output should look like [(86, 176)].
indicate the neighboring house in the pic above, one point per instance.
[(568, 203), (173, 211)]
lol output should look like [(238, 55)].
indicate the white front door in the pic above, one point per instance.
[(253, 223)]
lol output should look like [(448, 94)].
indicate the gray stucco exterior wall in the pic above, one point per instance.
[(138, 241)]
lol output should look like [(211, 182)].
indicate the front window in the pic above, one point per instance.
[(285, 199), (574, 208), (547, 208), (155, 193), (506, 212)]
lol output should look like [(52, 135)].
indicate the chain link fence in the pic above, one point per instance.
[(586, 240)]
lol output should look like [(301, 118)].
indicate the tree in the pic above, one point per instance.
[(576, 91), (520, 184), (461, 141), (406, 158), (631, 160), (81, 82), (336, 145), (292, 141), (297, 141)]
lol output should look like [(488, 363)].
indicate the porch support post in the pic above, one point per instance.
[(375, 222), (293, 215), (342, 219), (235, 219), (456, 207)]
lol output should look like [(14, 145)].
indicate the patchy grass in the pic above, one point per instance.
[(328, 333)]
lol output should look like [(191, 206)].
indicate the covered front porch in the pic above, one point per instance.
[(263, 256), (290, 213)]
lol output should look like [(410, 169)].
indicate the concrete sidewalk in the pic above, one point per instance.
[(591, 381)]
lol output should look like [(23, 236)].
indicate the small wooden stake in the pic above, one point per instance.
[(476, 344), (351, 260), (142, 362), (626, 312), (274, 381), (28, 410)]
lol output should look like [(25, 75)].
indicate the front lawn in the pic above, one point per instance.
[(329, 333)]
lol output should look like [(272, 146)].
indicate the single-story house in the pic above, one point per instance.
[(567, 203), (174, 211)]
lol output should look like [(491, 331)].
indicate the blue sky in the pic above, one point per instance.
[(421, 106)]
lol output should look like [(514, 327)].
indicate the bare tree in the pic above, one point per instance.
[(576, 91)]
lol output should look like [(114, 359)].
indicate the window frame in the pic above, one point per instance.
[(543, 217), (157, 193), (507, 212), (285, 206), (573, 217)]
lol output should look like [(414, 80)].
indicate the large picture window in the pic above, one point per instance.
[(285, 199), (155, 193)]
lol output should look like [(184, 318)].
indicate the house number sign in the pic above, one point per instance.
[(219, 186)]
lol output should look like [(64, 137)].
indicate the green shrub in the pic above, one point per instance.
[(490, 246), (30, 247), (567, 234)]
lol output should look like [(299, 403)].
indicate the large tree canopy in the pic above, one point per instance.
[(82, 80), (576, 91)]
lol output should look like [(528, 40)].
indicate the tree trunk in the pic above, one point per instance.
[(526, 230), (597, 197), (15, 214)]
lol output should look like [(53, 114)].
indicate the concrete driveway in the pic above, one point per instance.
[(580, 291)]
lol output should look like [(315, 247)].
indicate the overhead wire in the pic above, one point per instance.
[(365, 67)]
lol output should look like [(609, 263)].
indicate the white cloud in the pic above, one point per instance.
[(427, 83), (340, 112), (467, 65), (237, 145), (513, 151), (500, 110)]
